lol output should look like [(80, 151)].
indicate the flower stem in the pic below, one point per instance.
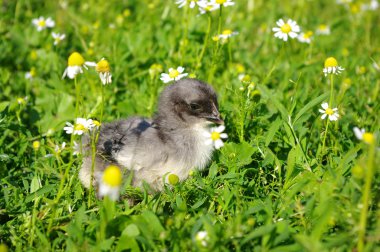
[(205, 43), (229, 51), (61, 185), (332, 90), (220, 21), (366, 196), (216, 49), (94, 139), (324, 137), (185, 34), (102, 105), (77, 92)]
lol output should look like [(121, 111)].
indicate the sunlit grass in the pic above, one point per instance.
[(285, 179)]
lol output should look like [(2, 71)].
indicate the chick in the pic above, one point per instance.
[(173, 142)]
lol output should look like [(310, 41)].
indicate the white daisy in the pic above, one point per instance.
[(31, 74), (285, 30), (75, 64), (174, 74), (57, 37), (205, 7), (323, 30), (41, 23), (192, 3), (225, 3), (22, 100), (104, 70), (58, 149), (331, 67), (227, 34), (215, 135), (366, 137), (373, 5), (110, 182), (81, 126), (245, 78), (202, 238), (343, 1), (305, 37), (327, 111)]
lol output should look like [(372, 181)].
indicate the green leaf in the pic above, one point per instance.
[(131, 230), (153, 221), (106, 245), (213, 170), (199, 203), (272, 131), (35, 184), (127, 242), (3, 105), (39, 192), (311, 104), (237, 154), (258, 232)]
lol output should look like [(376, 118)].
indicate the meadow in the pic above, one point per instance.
[(293, 174)]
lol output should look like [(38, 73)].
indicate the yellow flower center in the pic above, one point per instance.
[(33, 55), (79, 126), (357, 171), (220, 1), (192, 76), (368, 138), (362, 70), (112, 176), (240, 68), (103, 66), (215, 38), (227, 32), (322, 27), (355, 8), (286, 28), (215, 136), (246, 78), (96, 123), (127, 12), (21, 100), (331, 62), (173, 73), (75, 59), (208, 8), (329, 111), (173, 179), (308, 35), (36, 145), (347, 82), (42, 23), (33, 72)]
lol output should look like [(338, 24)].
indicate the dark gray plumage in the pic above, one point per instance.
[(172, 143)]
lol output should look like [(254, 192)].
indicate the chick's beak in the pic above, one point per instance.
[(216, 120), (215, 116)]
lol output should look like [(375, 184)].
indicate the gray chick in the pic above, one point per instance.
[(173, 142)]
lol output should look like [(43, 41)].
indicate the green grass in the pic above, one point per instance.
[(276, 185)]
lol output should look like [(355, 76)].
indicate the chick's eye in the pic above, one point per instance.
[(195, 107)]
